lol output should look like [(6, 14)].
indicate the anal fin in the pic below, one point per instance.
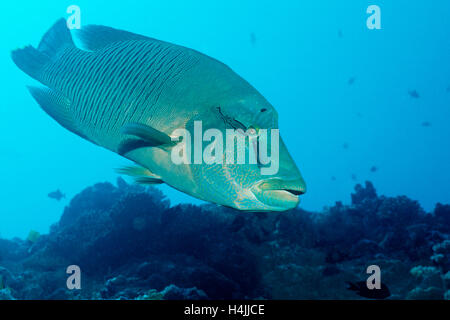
[(56, 106), (141, 175)]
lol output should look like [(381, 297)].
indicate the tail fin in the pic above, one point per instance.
[(31, 60)]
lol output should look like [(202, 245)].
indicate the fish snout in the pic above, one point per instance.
[(279, 194)]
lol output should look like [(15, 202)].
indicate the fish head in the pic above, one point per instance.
[(270, 184)]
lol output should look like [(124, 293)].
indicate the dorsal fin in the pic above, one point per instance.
[(95, 37), (56, 39)]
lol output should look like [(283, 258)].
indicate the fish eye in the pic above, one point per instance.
[(263, 110), (253, 130)]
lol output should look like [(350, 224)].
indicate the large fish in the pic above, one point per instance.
[(129, 93)]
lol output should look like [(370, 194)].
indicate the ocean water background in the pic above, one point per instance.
[(301, 58)]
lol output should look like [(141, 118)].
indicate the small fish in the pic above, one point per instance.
[(373, 169), (340, 34), (354, 178), (414, 94), (448, 89), (362, 290), (351, 81), (345, 145), (333, 178), (426, 124), (57, 195)]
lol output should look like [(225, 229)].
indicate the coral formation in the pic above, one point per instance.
[(130, 243)]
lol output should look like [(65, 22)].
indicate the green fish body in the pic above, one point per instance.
[(129, 93)]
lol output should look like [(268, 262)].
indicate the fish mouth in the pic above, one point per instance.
[(294, 192), (279, 194)]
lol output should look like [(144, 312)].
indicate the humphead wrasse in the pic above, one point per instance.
[(129, 93)]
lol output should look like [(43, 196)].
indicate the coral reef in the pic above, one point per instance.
[(131, 244)]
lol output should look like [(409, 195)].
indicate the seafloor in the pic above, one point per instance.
[(130, 244)]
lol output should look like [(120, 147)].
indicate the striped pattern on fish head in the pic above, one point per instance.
[(242, 184)]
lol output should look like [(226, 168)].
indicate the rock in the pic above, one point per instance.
[(13, 250), (5, 294), (9, 280), (442, 214), (365, 247), (438, 258), (131, 244), (113, 285), (151, 295), (172, 292), (59, 294), (431, 293), (363, 193), (330, 270)]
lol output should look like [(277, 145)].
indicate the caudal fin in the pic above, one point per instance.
[(31, 60)]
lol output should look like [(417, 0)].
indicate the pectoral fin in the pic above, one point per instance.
[(146, 133), (146, 136)]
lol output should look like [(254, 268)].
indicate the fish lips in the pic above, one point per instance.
[(279, 194)]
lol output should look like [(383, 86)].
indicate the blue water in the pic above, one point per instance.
[(301, 58)]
